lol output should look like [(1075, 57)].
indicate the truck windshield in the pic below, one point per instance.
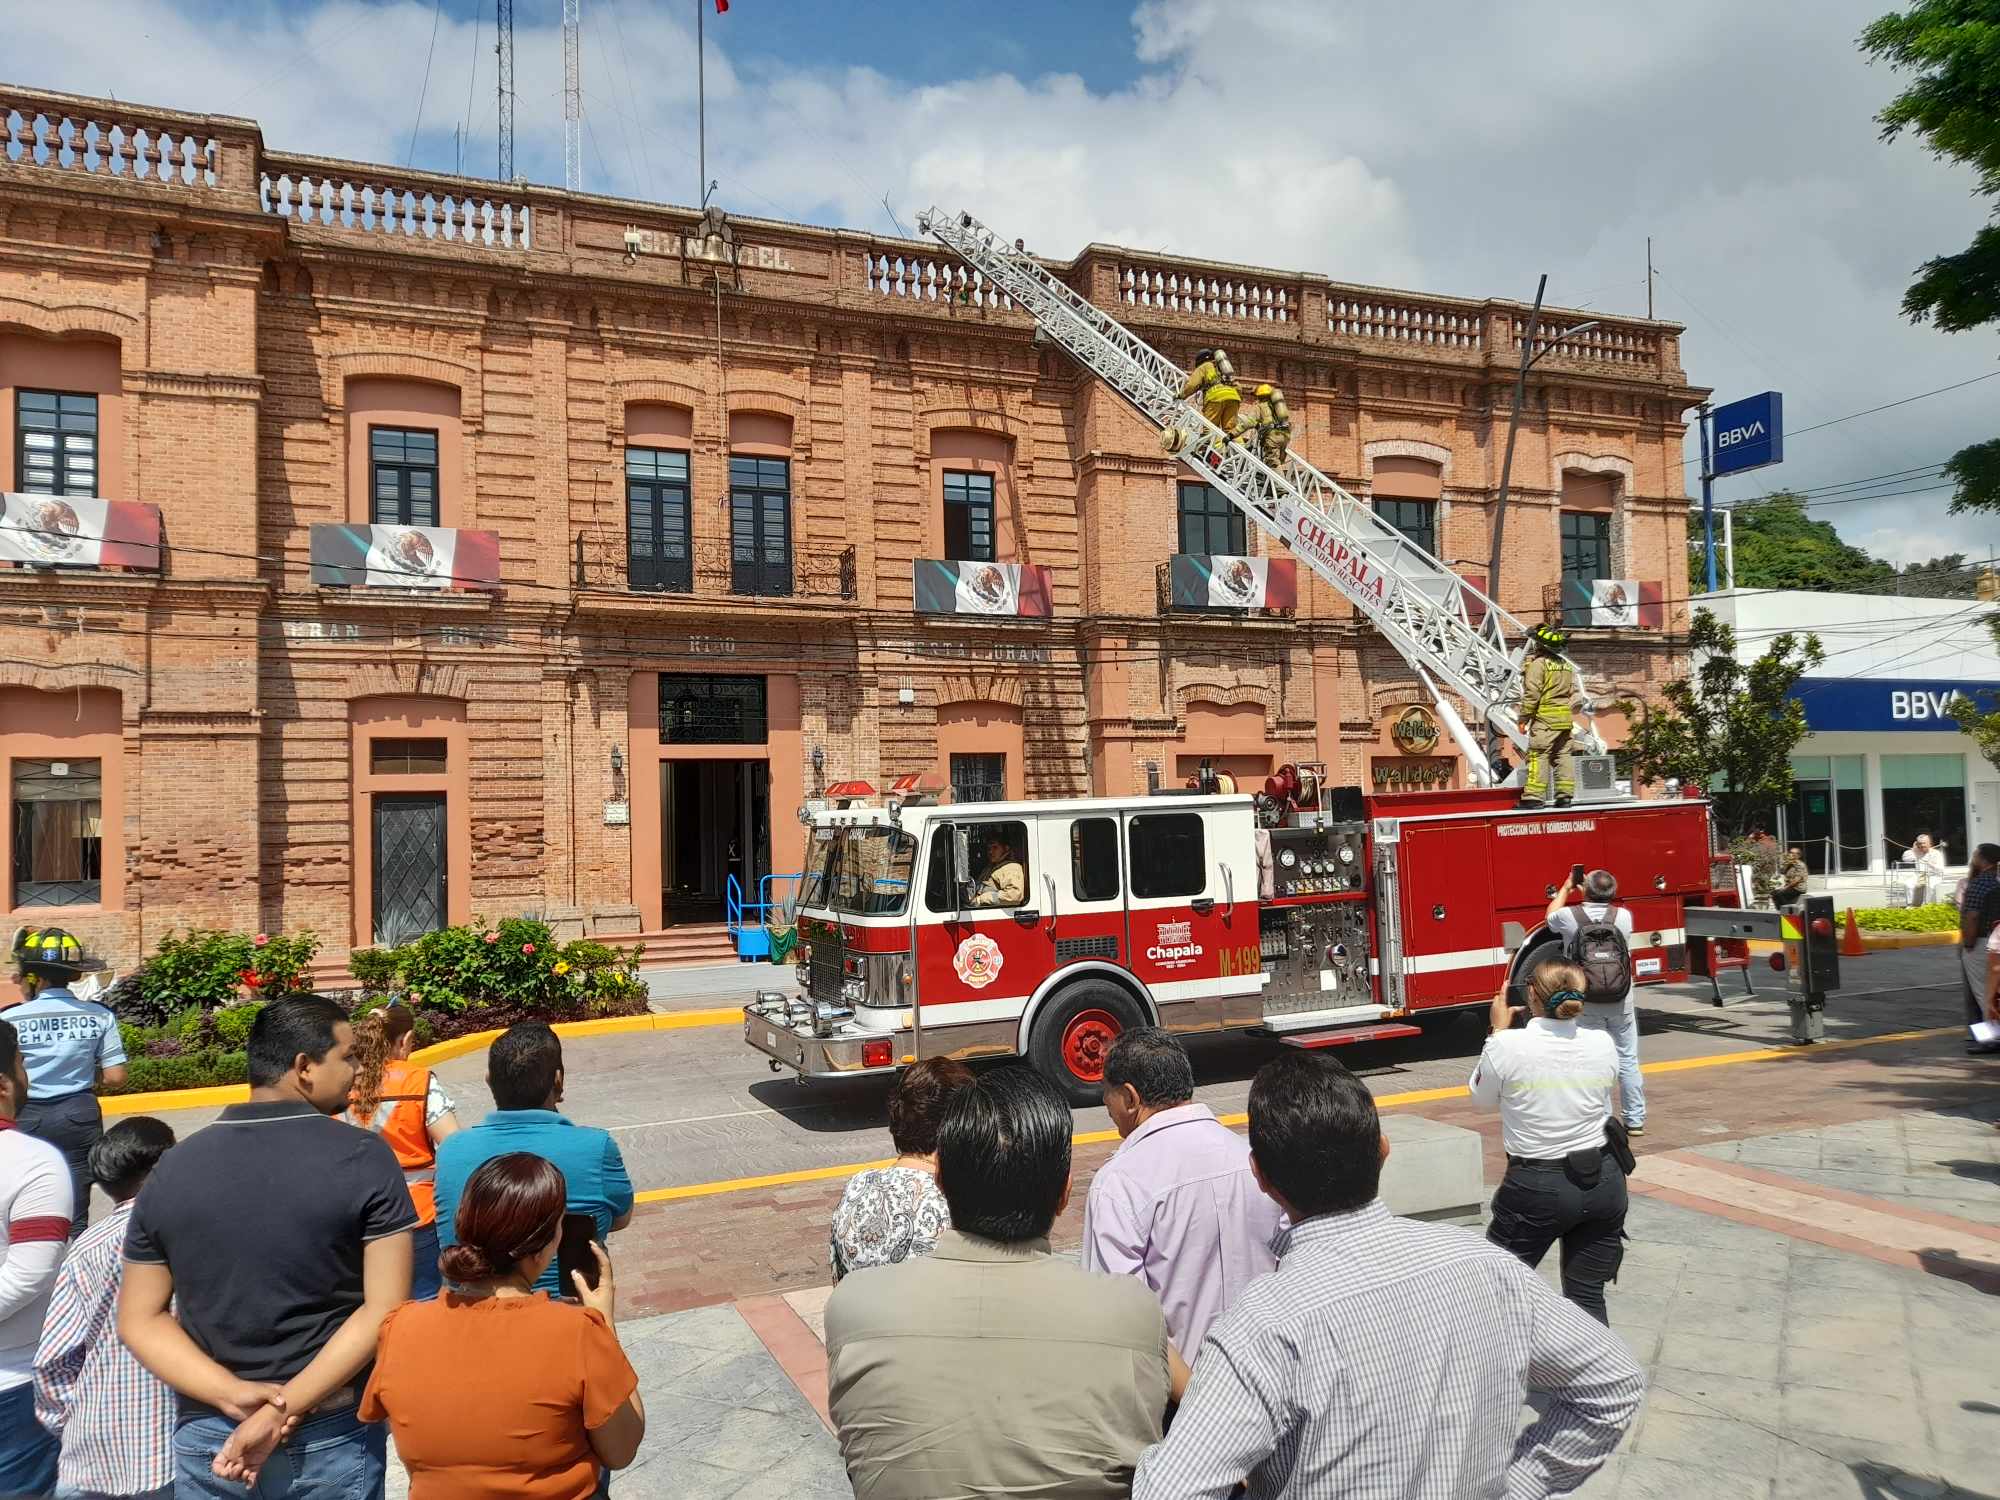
[(864, 872)]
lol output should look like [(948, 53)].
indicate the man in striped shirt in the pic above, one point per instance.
[(1385, 1358), (115, 1419), (35, 1207)]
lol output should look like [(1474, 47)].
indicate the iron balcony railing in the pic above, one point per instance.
[(605, 560)]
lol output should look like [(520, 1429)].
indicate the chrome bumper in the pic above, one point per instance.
[(816, 1040)]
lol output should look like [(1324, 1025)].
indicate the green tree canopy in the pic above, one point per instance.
[(1728, 727), (1780, 546), (1952, 47)]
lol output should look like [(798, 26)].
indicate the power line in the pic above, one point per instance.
[(437, 12)]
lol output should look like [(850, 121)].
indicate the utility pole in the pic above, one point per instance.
[(1513, 430), (1708, 506), (503, 47), (700, 109), (1649, 278), (572, 95)]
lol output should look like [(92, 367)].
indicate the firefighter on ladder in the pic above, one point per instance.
[(1550, 697), (1271, 421), (1213, 378)]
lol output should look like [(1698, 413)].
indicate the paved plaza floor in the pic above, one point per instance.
[(1818, 1311)]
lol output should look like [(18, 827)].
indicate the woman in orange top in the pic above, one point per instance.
[(406, 1105), (494, 1389)]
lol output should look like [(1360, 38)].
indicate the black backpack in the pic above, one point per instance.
[(1599, 949)]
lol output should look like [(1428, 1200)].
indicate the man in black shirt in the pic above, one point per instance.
[(283, 1235)]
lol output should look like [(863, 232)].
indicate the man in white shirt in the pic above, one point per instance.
[(1619, 1018), (1928, 860)]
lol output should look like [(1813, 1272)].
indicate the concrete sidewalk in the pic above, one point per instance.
[(1815, 1331)]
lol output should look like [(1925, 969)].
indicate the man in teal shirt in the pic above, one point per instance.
[(524, 1070)]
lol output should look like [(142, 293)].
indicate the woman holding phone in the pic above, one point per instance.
[(556, 1400)]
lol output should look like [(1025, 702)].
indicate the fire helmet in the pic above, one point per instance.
[(51, 948), (1549, 638)]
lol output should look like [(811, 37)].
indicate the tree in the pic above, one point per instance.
[(1981, 722), (1953, 49), (1728, 727), (1780, 546)]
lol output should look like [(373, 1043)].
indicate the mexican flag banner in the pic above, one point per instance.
[(981, 588), (407, 557), (1205, 581), (77, 531)]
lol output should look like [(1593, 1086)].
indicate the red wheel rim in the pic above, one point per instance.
[(1085, 1040)]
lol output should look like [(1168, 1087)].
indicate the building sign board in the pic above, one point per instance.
[(1886, 703), (1748, 434)]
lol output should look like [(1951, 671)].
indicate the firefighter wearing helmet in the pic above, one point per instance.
[(1213, 378), (1271, 420), (1550, 696), (69, 1044)]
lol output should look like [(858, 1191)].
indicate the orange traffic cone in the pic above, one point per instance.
[(1851, 945)]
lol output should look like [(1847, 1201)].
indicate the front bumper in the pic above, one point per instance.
[(815, 1044)]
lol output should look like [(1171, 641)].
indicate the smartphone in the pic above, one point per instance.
[(573, 1252), (1576, 874)]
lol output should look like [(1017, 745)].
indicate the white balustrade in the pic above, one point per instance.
[(32, 135), (364, 206), (1204, 295)]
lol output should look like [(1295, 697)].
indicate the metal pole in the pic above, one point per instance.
[(1649, 278), (1729, 547), (700, 109), (1708, 506), (1513, 428)]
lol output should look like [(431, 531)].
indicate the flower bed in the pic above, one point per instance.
[(185, 1014), (1939, 916)]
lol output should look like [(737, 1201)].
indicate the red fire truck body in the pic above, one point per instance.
[(1196, 913)]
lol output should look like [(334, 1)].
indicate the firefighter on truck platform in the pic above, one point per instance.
[(1550, 697)]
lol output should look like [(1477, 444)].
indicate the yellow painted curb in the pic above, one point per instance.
[(216, 1095), (1385, 1101)]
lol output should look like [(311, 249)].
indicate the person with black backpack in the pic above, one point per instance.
[(1596, 936)]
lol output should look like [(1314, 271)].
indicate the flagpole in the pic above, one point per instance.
[(701, 107)]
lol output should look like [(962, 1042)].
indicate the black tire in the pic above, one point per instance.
[(1094, 1002)]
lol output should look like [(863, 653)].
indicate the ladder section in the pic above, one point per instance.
[(1441, 624)]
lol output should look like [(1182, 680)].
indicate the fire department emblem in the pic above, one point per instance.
[(978, 961)]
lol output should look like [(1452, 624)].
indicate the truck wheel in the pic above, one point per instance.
[(1072, 1036)]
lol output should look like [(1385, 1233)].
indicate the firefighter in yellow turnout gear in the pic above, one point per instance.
[(1550, 696), (1213, 378), (1271, 420)]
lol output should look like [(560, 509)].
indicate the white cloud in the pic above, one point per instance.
[(1461, 149)]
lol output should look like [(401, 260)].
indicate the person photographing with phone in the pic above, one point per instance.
[(496, 1389), (1565, 1182), (1596, 936)]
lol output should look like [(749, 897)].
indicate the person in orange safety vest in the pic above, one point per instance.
[(404, 1103)]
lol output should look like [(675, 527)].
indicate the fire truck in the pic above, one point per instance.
[(1320, 915), (1317, 916)]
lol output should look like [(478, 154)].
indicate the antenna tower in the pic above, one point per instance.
[(503, 47), (572, 96)]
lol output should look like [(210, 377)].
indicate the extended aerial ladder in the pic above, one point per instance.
[(1448, 630)]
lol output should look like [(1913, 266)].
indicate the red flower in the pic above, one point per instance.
[(492, 937), (527, 947), (261, 939), (252, 978)]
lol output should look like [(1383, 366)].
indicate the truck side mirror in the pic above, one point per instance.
[(961, 861)]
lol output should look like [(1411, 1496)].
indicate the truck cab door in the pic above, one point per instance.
[(981, 952), (1082, 887)]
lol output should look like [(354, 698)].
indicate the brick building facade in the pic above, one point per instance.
[(683, 492)]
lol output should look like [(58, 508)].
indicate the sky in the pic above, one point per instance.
[(1450, 147)]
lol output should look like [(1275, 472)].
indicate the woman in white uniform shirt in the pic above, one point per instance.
[(1553, 1084)]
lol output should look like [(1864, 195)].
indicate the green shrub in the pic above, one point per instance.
[(278, 964), (376, 969), (1939, 916), (186, 1071), (232, 1024), (202, 969)]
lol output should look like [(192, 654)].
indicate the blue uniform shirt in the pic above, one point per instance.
[(64, 1041), (593, 1170)]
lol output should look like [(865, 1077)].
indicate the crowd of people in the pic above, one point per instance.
[(395, 1273), (1245, 1315)]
